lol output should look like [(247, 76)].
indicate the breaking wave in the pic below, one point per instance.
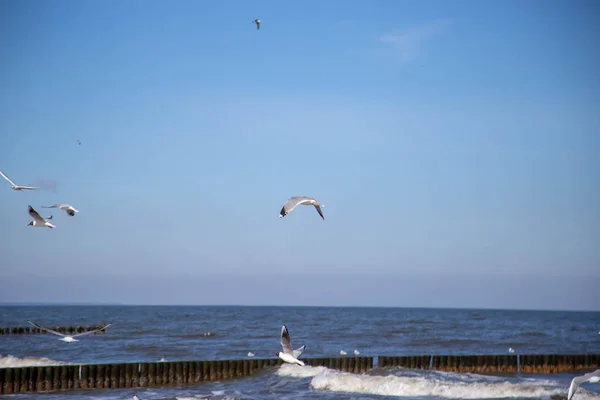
[(9, 361), (437, 384)]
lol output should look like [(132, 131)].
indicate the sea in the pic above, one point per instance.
[(170, 333)]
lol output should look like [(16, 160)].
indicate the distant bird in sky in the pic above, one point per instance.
[(297, 200), (288, 354), (38, 221), (14, 186), (78, 141), (257, 22), (592, 377), (65, 207), (69, 338)]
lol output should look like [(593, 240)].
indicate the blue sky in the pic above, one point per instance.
[(455, 145)]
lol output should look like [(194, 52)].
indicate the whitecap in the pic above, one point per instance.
[(392, 385), (296, 371), (10, 361)]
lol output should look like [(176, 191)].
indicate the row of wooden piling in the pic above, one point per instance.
[(29, 330), (155, 374), (528, 363), (138, 375)]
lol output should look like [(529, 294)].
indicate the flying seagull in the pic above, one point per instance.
[(65, 207), (305, 201), (592, 377), (288, 355), (14, 186), (78, 141), (257, 22), (39, 222), (69, 338)]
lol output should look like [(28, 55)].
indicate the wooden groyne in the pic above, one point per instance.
[(532, 363), (156, 374), (138, 375), (68, 330)]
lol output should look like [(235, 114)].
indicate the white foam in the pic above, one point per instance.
[(391, 385), (9, 361), (296, 371)]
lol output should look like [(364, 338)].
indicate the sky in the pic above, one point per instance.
[(454, 144)]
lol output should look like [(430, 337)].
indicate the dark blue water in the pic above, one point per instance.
[(153, 333)]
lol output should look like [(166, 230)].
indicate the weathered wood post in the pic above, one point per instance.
[(8, 380), (40, 380), (152, 375), (114, 376), (172, 373), (129, 374), (143, 379)]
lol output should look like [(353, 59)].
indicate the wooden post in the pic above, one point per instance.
[(178, 373), (171, 373), (143, 379), (99, 376), (152, 375), (8, 380), (192, 372), (188, 375), (114, 376), (158, 377), (40, 383), (25, 379), (122, 374), (128, 374)]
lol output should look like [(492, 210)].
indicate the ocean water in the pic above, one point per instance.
[(153, 333)]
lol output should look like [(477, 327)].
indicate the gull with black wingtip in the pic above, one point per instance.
[(69, 338), (288, 354), (38, 221), (70, 210), (295, 201)]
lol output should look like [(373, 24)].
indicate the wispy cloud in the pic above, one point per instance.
[(408, 44)]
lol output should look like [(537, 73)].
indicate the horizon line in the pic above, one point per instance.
[(95, 304)]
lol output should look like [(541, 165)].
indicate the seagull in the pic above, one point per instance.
[(342, 353), (14, 186), (69, 338), (135, 397), (305, 201), (288, 355), (356, 352), (78, 141), (250, 354), (257, 22), (592, 377), (69, 209), (511, 350), (39, 222)]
